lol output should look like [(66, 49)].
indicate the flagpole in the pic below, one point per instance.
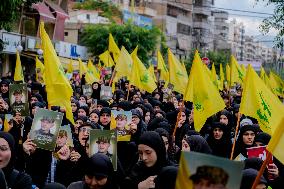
[(236, 133), (261, 171), (128, 92), (179, 115), (112, 76)]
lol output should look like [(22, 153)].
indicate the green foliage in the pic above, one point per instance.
[(11, 10), (218, 57), (106, 9), (275, 22), (95, 37)]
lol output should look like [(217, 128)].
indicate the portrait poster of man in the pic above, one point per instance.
[(104, 141), (197, 170), (64, 137), (87, 90), (106, 93), (18, 95), (120, 121), (45, 128)]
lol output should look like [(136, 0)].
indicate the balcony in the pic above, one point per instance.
[(146, 11), (202, 10), (185, 19), (203, 25)]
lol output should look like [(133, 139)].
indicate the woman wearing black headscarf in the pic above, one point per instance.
[(96, 90), (219, 140), (245, 140), (196, 143), (226, 118), (152, 158), (14, 178), (99, 174)]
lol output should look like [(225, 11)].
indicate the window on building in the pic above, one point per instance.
[(88, 16), (184, 29), (65, 33)]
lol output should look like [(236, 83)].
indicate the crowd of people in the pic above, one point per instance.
[(162, 127)]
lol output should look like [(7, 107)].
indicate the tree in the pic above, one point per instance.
[(275, 21), (11, 10), (95, 37)]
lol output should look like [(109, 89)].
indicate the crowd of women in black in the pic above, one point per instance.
[(149, 160)]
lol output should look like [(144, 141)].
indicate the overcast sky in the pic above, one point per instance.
[(251, 23)]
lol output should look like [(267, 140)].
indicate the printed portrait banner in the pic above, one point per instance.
[(64, 137), (104, 141), (106, 93), (120, 121), (18, 95), (87, 90), (45, 128), (195, 168)]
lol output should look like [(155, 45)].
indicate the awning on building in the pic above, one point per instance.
[(44, 12), (59, 11), (183, 43)]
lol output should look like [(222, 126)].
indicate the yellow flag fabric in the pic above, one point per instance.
[(260, 103), (237, 74), (214, 76), (152, 72), (222, 78), (140, 76), (182, 180), (93, 70), (276, 144), (18, 75), (124, 65), (184, 69), (177, 76), (264, 77), (228, 72), (106, 59), (113, 48), (202, 93), (89, 75), (58, 88), (243, 68), (39, 71), (70, 66), (276, 83), (164, 72)]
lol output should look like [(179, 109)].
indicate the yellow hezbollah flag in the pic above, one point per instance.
[(93, 70), (243, 68), (58, 88), (164, 72), (124, 65), (89, 76), (222, 78), (152, 72), (276, 144), (140, 76), (260, 103), (182, 180), (177, 76), (264, 77), (276, 83), (18, 75), (70, 66), (184, 69), (214, 76), (39, 71), (237, 75), (113, 48), (203, 93), (106, 59)]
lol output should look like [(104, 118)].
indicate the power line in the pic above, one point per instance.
[(222, 8)]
